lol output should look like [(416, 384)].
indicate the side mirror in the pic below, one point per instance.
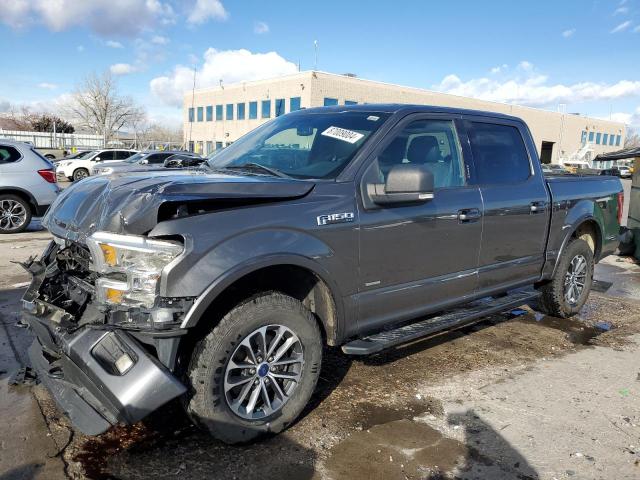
[(97, 159), (144, 161), (405, 183)]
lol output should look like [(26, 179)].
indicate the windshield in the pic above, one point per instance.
[(135, 158), (301, 145)]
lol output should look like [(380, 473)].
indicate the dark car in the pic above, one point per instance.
[(614, 172), (183, 160), (141, 160), (354, 226)]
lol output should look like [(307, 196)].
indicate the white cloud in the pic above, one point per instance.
[(230, 66), (113, 44), (631, 119), (47, 86), (525, 66), (203, 10), (80, 48), (534, 89), (122, 69), (105, 17), (622, 27), (621, 11), (569, 33), (260, 28), (160, 40), (499, 69)]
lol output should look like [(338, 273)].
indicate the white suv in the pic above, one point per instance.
[(79, 168)]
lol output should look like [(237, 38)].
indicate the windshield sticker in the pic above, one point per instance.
[(373, 118), (342, 134)]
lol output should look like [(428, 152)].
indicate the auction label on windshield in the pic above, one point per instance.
[(342, 134)]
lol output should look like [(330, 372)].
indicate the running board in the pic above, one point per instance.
[(448, 320)]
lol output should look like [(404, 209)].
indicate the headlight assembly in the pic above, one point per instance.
[(132, 266)]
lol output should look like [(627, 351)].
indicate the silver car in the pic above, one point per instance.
[(27, 185)]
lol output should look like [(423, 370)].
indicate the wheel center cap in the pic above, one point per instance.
[(263, 370)]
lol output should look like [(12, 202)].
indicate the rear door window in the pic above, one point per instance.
[(9, 154), (105, 155), (499, 153)]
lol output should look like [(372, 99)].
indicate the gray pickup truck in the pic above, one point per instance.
[(362, 227)]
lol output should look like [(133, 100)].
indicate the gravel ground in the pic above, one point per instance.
[(506, 398)]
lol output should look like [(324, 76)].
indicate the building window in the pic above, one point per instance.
[(218, 145), (209, 113), (612, 139), (266, 109), (240, 112), (279, 106), (199, 148), (584, 137), (598, 137), (350, 102), (191, 114), (330, 101), (294, 104), (229, 111), (591, 137), (200, 113), (209, 147), (191, 143), (218, 112), (617, 140), (253, 110)]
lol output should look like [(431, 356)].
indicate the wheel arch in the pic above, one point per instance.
[(296, 276), (586, 228), (24, 194)]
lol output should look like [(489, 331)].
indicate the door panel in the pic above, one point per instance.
[(416, 258), (516, 204)]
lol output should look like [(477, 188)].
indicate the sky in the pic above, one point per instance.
[(582, 54)]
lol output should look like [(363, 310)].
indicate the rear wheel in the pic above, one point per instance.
[(15, 214), (256, 370), (79, 174), (569, 289)]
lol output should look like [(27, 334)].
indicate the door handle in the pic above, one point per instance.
[(537, 207), (468, 215)]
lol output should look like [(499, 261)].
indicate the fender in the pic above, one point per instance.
[(582, 212), (24, 192), (221, 283)]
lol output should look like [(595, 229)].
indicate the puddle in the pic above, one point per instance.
[(576, 331), (370, 415), (397, 449)]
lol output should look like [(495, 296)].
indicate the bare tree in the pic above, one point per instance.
[(96, 105), (633, 139)]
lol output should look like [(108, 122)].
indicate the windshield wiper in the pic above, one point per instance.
[(257, 166)]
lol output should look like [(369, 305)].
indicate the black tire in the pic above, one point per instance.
[(626, 249), (208, 406), (553, 300), (50, 157), (79, 174), (10, 202)]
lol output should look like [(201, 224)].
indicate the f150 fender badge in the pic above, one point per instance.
[(335, 218)]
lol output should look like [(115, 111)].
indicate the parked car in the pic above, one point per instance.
[(74, 156), (625, 172), (553, 169), (356, 226), (79, 168), (141, 160), (27, 185), (184, 160), (613, 171)]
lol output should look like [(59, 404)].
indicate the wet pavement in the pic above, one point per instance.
[(519, 395)]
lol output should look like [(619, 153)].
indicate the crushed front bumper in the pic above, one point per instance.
[(91, 384)]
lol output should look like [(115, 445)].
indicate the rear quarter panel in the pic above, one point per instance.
[(576, 199)]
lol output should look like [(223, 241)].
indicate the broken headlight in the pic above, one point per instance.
[(133, 265)]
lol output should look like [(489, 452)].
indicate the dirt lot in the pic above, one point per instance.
[(516, 396)]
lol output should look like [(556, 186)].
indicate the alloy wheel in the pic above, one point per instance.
[(575, 279), (263, 372), (13, 215)]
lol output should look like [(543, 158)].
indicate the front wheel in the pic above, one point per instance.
[(79, 174), (256, 370), (15, 214), (569, 289)]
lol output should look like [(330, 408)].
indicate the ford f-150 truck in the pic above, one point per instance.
[(355, 226)]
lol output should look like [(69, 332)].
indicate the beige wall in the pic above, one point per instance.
[(564, 130)]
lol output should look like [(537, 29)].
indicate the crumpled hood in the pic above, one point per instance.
[(129, 203)]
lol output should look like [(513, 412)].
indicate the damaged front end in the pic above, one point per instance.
[(106, 341)]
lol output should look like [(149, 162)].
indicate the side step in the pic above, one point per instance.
[(449, 319)]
